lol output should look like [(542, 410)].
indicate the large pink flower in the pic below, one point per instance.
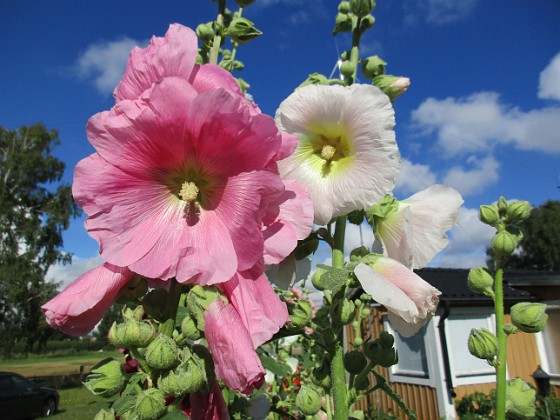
[(234, 329), (82, 304), (178, 181)]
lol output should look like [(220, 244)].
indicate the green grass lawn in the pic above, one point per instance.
[(79, 403)]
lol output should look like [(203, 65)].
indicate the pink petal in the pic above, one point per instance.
[(237, 363), (82, 304), (173, 55), (209, 77), (211, 406)]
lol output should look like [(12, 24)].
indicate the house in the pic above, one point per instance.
[(435, 366)]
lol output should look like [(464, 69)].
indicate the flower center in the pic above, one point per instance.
[(189, 191), (328, 152)]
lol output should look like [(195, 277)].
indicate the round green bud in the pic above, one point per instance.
[(162, 353), (192, 375), (205, 32), (150, 404), (131, 333), (308, 400), (347, 69), (367, 22), (343, 311), (362, 8), (105, 415), (504, 243), (322, 375), (489, 215), (342, 23), (316, 279), (301, 313), (344, 7), (190, 329), (361, 382), (502, 206), (105, 379), (357, 253), (315, 79), (381, 355), (373, 66), (529, 317), (386, 339), (242, 30), (518, 211), (355, 361), (366, 312), (520, 398), (510, 329), (483, 344), (392, 86), (481, 281), (358, 341)]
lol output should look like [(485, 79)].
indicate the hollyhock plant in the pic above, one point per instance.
[(415, 231), (179, 176), (347, 155), (82, 304), (400, 290)]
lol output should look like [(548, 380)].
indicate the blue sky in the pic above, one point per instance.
[(482, 113)]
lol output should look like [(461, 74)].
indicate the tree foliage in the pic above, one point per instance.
[(35, 208), (539, 249)]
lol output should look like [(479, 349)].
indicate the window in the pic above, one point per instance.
[(548, 342), (465, 368)]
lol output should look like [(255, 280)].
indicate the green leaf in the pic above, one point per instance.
[(333, 278), (124, 405), (279, 369)]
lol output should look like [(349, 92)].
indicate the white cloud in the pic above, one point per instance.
[(70, 272), (484, 172), (104, 63), (467, 242), (437, 12), (414, 177), (479, 121), (549, 80)]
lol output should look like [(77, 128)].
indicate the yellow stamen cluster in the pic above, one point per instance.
[(189, 191), (328, 152)]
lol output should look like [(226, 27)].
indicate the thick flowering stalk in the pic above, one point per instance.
[(347, 155)]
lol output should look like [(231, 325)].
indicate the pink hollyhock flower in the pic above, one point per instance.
[(82, 304), (179, 176), (406, 295), (211, 406)]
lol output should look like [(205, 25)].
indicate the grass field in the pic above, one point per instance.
[(79, 403), (42, 366)]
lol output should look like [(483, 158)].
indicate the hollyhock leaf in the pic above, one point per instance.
[(343, 132), (279, 369), (333, 278), (81, 305)]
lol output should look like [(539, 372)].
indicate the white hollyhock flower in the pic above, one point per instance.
[(347, 155), (409, 299), (415, 233)]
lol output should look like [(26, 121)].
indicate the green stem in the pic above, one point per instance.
[(141, 361), (328, 403), (501, 366), (338, 248), (355, 51), (215, 50)]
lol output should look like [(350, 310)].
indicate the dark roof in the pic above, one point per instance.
[(452, 282)]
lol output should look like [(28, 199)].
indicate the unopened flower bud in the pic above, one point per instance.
[(162, 353), (244, 3), (308, 400), (205, 32), (489, 215), (373, 66), (105, 415), (518, 211), (483, 344), (190, 376), (367, 22), (106, 379), (315, 79), (520, 398), (355, 361), (199, 300), (529, 317), (347, 69), (361, 382), (316, 279), (342, 23), (306, 248), (362, 8), (150, 404), (502, 206), (357, 253), (242, 30), (392, 86), (380, 354), (386, 339), (131, 333), (301, 313), (358, 341), (344, 7), (343, 311), (322, 375), (189, 328), (480, 281), (504, 243)]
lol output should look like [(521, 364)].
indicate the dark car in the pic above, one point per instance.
[(22, 399)]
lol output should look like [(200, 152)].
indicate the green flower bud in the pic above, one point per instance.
[(357, 253), (242, 30), (362, 8), (489, 215), (244, 3), (382, 210), (367, 22), (199, 300), (105, 415), (520, 398), (343, 311), (502, 206), (347, 69), (342, 23), (205, 32), (480, 281), (308, 400), (316, 279), (150, 404), (483, 344), (301, 313), (380, 354), (189, 328), (358, 341), (510, 329), (356, 217), (344, 7), (386, 338), (306, 248), (322, 375), (518, 211), (504, 243), (355, 361), (315, 79), (361, 382), (162, 353), (392, 86), (529, 317), (373, 66), (106, 379), (131, 333), (366, 312)]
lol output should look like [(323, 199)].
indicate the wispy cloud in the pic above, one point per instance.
[(103, 63), (68, 273), (549, 81), (414, 177), (480, 174)]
